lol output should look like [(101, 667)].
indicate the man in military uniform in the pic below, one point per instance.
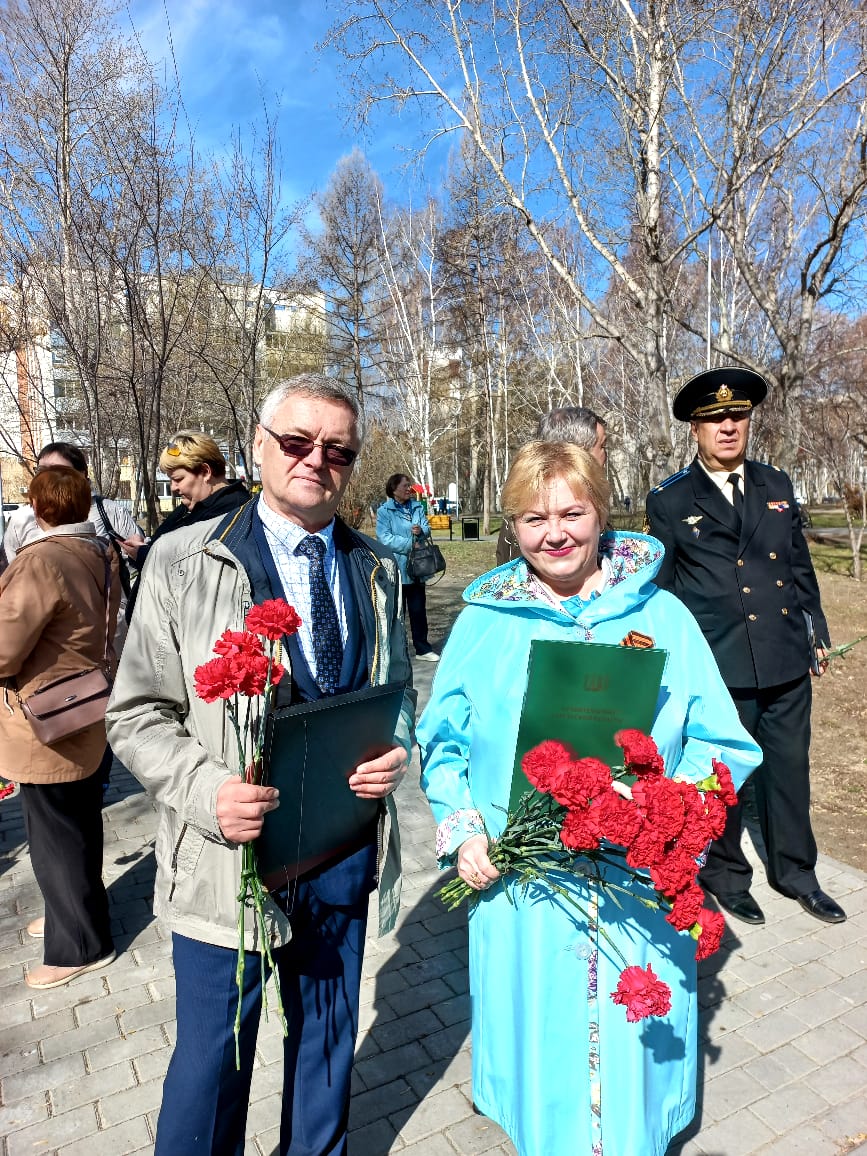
[(735, 554)]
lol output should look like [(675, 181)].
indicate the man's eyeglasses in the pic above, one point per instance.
[(297, 446)]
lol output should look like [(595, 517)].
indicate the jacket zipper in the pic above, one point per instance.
[(177, 848)]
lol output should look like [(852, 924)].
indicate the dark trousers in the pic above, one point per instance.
[(105, 765), (204, 1109), (415, 604), (63, 822), (778, 718)]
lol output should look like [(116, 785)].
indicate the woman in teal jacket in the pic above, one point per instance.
[(400, 520), (555, 1062)]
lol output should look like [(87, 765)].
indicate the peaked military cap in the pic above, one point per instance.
[(714, 392)]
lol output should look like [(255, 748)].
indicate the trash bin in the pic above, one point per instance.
[(470, 529)]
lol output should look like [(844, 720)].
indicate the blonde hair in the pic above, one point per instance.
[(538, 464), (190, 450)]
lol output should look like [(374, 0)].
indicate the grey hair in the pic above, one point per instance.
[(570, 423), (315, 385)]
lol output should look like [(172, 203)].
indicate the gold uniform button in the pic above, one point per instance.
[(752, 618), (784, 611), (773, 556), (779, 582), (747, 590), (740, 561)]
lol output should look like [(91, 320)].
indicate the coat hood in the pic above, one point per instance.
[(634, 560)]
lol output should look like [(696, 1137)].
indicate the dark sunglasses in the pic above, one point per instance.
[(299, 447)]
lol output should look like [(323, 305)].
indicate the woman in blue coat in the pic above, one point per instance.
[(555, 1061), (400, 520)]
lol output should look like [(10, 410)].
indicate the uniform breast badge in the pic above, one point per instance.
[(777, 507), (692, 521)]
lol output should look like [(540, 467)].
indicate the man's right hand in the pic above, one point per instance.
[(242, 807)]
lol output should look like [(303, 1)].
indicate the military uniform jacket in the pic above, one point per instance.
[(746, 587)]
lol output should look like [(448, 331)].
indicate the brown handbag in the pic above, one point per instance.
[(71, 704)]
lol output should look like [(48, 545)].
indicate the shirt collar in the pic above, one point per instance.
[(290, 534), (721, 477)]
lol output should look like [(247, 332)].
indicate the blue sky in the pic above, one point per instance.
[(233, 55)]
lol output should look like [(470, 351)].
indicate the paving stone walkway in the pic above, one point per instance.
[(783, 1065)]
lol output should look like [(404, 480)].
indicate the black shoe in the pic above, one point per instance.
[(822, 906), (742, 906)]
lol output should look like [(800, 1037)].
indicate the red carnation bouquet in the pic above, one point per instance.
[(244, 675), (583, 816)]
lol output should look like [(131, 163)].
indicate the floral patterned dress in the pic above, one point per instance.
[(555, 1062)]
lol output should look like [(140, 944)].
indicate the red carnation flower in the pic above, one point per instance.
[(686, 908), (619, 819), (272, 619), (694, 838), (252, 674), (216, 679), (696, 833), (674, 872), (545, 764), (580, 830), (582, 781), (715, 814), (661, 801), (642, 993), (646, 849), (6, 789), (640, 753), (232, 642), (712, 928), (727, 791)]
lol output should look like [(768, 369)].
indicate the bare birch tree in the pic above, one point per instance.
[(344, 261), (68, 82), (244, 229), (412, 335), (638, 127), (783, 176)]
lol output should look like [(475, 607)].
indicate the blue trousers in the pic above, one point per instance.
[(205, 1100)]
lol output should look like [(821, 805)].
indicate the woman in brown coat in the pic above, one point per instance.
[(53, 623)]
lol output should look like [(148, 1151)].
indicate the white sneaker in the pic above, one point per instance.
[(431, 656)]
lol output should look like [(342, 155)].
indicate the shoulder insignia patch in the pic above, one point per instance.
[(669, 481)]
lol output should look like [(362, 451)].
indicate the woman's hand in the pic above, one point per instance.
[(474, 866), (131, 545)]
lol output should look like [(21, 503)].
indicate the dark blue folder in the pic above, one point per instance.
[(310, 750)]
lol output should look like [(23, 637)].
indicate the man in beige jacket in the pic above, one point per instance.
[(196, 584)]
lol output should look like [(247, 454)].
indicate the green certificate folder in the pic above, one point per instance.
[(583, 693), (310, 750)]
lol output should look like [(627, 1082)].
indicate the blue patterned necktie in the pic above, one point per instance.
[(327, 643)]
